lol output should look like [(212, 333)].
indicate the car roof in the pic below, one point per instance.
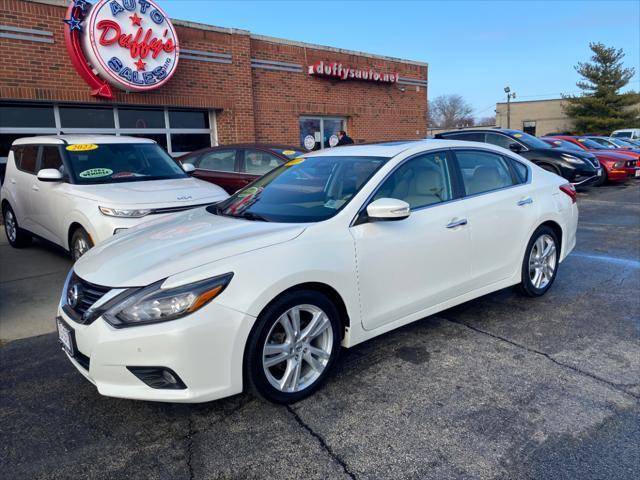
[(391, 149), (482, 129), (73, 139)]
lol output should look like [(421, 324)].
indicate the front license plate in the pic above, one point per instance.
[(599, 172), (65, 335), (637, 173)]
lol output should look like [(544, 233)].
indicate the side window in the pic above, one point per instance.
[(51, 159), (467, 137), (520, 169), (219, 160), (17, 155), (483, 171), (421, 181), (257, 162), (28, 159), (499, 140)]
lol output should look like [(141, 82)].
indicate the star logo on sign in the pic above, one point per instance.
[(74, 23), (135, 19), (140, 65)]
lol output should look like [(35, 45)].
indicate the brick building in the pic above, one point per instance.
[(229, 86)]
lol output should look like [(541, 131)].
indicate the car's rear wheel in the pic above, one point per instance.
[(549, 168), (80, 243), (16, 236), (293, 346), (540, 263)]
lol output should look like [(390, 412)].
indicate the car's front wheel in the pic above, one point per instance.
[(17, 237), (293, 346), (540, 263), (80, 243)]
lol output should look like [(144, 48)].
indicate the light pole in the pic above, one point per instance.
[(510, 95)]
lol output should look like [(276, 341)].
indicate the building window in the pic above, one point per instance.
[(177, 131), (321, 129), (529, 127)]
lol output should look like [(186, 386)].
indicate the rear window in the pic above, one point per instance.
[(622, 134)]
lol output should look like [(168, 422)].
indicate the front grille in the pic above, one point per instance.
[(181, 208), (86, 294)]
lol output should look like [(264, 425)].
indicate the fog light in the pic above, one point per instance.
[(158, 377)]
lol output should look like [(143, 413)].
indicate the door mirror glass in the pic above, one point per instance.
[(515, 147), (388, 209), (188, 167), (50, 175)]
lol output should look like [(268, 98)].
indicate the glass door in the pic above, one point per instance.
[(316, 132)]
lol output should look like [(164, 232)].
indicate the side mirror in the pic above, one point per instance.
[(50, 175), (515, 147), (386, 209), (188, 167)]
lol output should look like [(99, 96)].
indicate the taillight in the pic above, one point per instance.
[(569, 190)]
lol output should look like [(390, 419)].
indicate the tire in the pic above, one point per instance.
[(549, 168), (17, 237), (80, 243), (539, 268), (272, 375)]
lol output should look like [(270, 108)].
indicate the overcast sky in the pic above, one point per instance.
[(473, 48)]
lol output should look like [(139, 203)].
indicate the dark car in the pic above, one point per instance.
[(580, 168), (235, 166)]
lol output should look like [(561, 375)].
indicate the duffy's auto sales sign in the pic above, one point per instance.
[(128, 44)]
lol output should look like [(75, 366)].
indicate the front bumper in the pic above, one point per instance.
[(205, 349)]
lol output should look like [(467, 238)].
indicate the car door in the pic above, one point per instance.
[(407, 266), (48, 200), (21, 181), (219, 166), (501, 208)]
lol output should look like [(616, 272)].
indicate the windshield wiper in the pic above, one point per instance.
[(251, 216)]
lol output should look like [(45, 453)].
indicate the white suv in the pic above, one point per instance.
[(78, 190)]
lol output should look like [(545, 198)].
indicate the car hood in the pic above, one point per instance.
[(176, 243), (152, 192), (613, 156)]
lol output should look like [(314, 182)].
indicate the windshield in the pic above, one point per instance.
[(302, 190), (592, 144), (531, 141), (555, 143), (622, 134), (121, 162)]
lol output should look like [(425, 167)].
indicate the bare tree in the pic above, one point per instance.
[(487, 121), (449, 111)]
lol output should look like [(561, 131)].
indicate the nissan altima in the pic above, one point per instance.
[(260, 291)]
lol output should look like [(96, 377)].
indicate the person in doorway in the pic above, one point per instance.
[(344, 139)]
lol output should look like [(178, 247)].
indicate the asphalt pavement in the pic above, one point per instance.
[(503, 387)]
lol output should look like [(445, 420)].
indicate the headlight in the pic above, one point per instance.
[(119, 212), (572, 159), (618, 165), (152, 304)]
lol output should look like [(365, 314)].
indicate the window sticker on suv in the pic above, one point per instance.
[(82, 147), (96, 173)]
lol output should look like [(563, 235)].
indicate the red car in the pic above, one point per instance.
[(235, 166), (618, 164)]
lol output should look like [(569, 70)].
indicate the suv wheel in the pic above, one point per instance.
[(293, 346), (17, 237), (80, 243)]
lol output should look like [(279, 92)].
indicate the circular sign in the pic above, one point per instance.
[(131, 44), (309, 142), (333, 140)]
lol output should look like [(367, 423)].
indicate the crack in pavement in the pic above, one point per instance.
[(323, 443), (616, 386), (189, 439)]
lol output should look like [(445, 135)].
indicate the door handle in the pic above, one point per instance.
[(457, 223), (35, 188), (13, 181), (525, 201)]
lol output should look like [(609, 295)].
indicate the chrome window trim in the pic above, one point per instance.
[(465, 197)]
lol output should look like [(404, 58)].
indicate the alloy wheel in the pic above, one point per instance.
[(10, 226), (542, 261), (297, 348)]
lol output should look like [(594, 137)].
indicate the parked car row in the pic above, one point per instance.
[(583, 160)]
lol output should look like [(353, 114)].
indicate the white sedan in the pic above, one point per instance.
[(329, 250)]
